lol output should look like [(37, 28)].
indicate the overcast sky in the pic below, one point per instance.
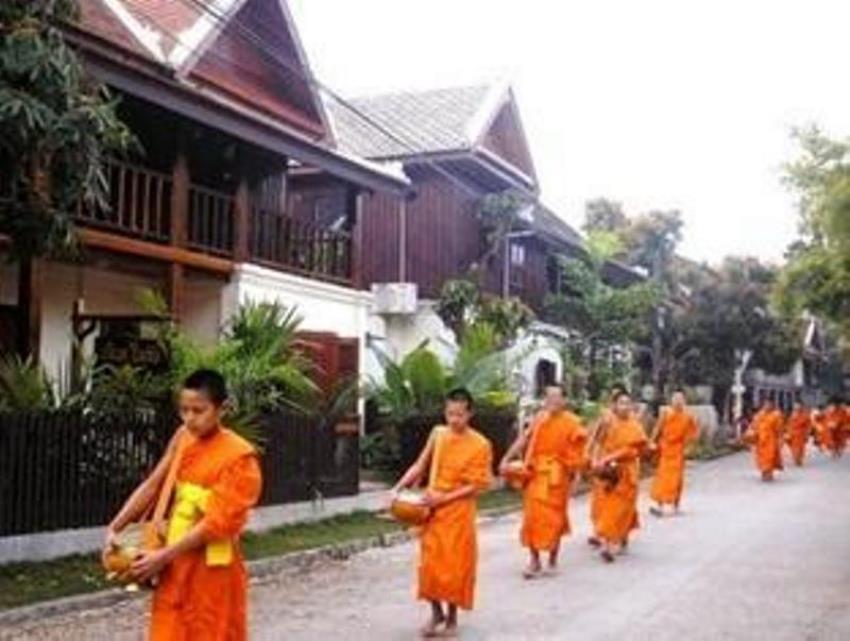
[(657, 104)]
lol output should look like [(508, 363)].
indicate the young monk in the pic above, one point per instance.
[(597, 487), (201, 590), (675, 430), (622, 444), (461, 459), (765, 435), (553, 449), (797, 432), (834, 425)]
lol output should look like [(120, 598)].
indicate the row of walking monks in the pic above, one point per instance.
[(828, 427), (544, 463), (212, 478)]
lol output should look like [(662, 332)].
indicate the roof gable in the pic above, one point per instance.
[(258, 58), (505, 138), (481, 122), (247, 49)]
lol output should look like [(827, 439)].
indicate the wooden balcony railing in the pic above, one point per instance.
[(140, 206), (297, 246), (212, 224)]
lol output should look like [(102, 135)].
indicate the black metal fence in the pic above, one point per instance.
[(64, 470)]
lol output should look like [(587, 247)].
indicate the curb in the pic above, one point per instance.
[(258, 569)]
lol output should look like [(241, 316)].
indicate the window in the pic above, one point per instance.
[(517, 255)]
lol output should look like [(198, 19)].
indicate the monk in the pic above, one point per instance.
[(553, 451), (597, 487), (798, 429), (617, 463), (675, 430), (202, 585), (834, 423), (765, 435), (459, 461)]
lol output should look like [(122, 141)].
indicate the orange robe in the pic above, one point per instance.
[(202, 595), (766, 436), (676, 431), (616, 509), (556, 450), (798, 430), (823, 432), (448, 543), (837, 419)]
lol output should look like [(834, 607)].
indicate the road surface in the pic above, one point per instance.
[(745, 562)]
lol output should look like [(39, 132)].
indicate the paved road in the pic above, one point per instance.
[(746, 562)]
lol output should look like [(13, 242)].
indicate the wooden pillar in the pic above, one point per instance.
[(179, 227), (356, 206), (30, 296), (242, 222), (402, 240), (174, 289)]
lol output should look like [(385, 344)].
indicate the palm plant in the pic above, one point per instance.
[(259, 356), (417, 385), (24, 385)]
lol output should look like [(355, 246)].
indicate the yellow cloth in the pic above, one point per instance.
[(190, 504)]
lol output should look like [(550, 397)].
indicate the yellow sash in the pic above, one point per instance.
[(190, 504), (548, 473)]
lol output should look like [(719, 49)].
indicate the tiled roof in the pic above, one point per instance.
[(548, 223), (424, 122)]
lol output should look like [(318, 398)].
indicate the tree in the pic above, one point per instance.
[(817, 276), (498, 215), (648, 241), (728, 314), (602, 316), (57, 126), (601, 214), (462, 307)]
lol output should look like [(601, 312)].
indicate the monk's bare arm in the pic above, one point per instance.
[(416, 471), (516, 448), (151, 564), (143, 495), (463, 492), (623, 454)]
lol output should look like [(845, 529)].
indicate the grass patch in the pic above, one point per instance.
[(499, 499), (708, 451), (308, 536), (27, 583)]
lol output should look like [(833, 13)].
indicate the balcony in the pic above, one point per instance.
[(146, 205)]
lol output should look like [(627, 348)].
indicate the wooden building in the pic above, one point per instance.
[(219, 207), (457, 146)]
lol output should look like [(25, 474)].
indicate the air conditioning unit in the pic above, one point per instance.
[(395, 298)]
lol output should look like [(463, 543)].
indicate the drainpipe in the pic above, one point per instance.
[(402, 241)]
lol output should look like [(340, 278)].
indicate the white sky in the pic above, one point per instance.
[(659, 104)]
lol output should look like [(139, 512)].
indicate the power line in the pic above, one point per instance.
[(265, 48)]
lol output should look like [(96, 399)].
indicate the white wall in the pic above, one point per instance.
[(325, 307), (202, 314), (398, 335), (112, 291), (529, 350), (104, 291)]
